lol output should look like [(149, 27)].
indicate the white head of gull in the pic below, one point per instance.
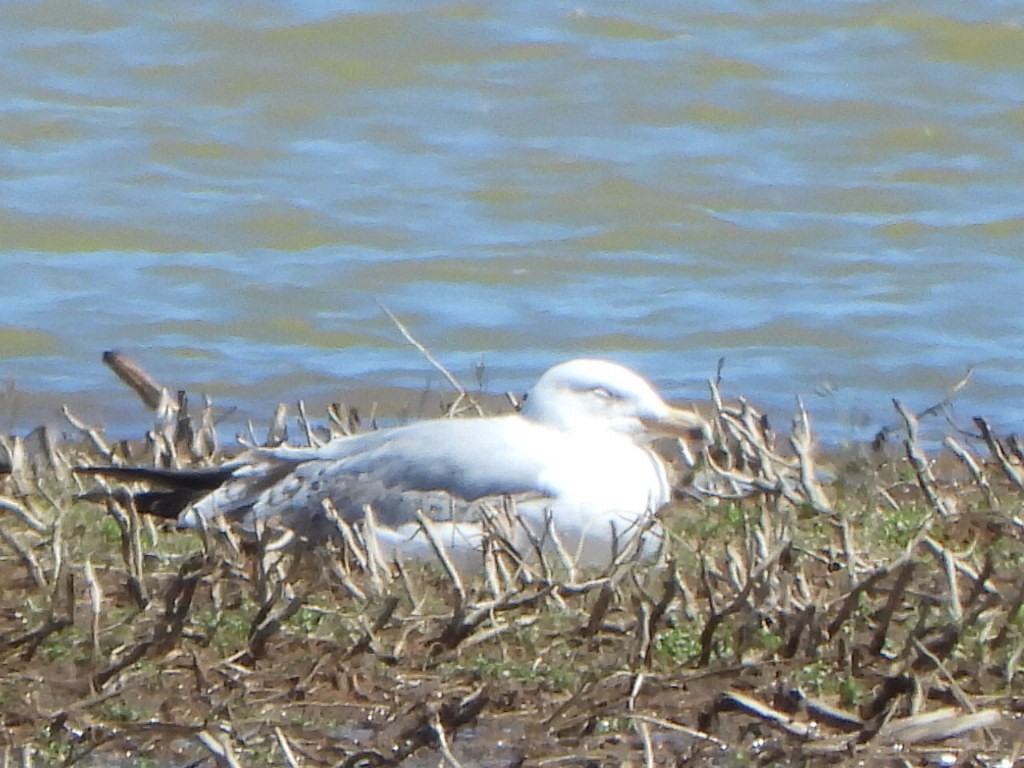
[(576, 457)]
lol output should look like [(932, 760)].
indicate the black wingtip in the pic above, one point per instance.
[(172, 479), (169, 492)]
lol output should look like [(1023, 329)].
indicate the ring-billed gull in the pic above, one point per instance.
[(576, 457)]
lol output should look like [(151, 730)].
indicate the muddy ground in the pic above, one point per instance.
[(860, 606)]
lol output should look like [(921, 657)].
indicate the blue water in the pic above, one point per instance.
[(827, 195)]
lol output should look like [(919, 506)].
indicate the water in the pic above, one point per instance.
[(828, 195)]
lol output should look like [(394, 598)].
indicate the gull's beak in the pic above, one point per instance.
[(676, 422)]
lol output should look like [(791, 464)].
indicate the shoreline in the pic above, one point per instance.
[(811, 604)]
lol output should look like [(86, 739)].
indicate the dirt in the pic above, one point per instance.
[(870, 618)]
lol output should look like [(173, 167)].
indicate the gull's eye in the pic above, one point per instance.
[(604, 394)]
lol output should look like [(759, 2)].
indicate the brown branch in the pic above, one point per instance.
[(132, 374)]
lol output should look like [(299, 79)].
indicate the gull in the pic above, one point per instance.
[(576, 459)]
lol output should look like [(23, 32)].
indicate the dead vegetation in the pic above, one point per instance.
[(805, 608)]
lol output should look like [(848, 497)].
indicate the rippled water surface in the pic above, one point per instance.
[(828, 195)]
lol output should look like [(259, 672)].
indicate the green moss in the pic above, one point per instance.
[(896, 528), (119, 711), (677, 645), (815, 677), (545, 676), (851, 692)]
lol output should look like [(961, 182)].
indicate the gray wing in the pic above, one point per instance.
[(440, 467)]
